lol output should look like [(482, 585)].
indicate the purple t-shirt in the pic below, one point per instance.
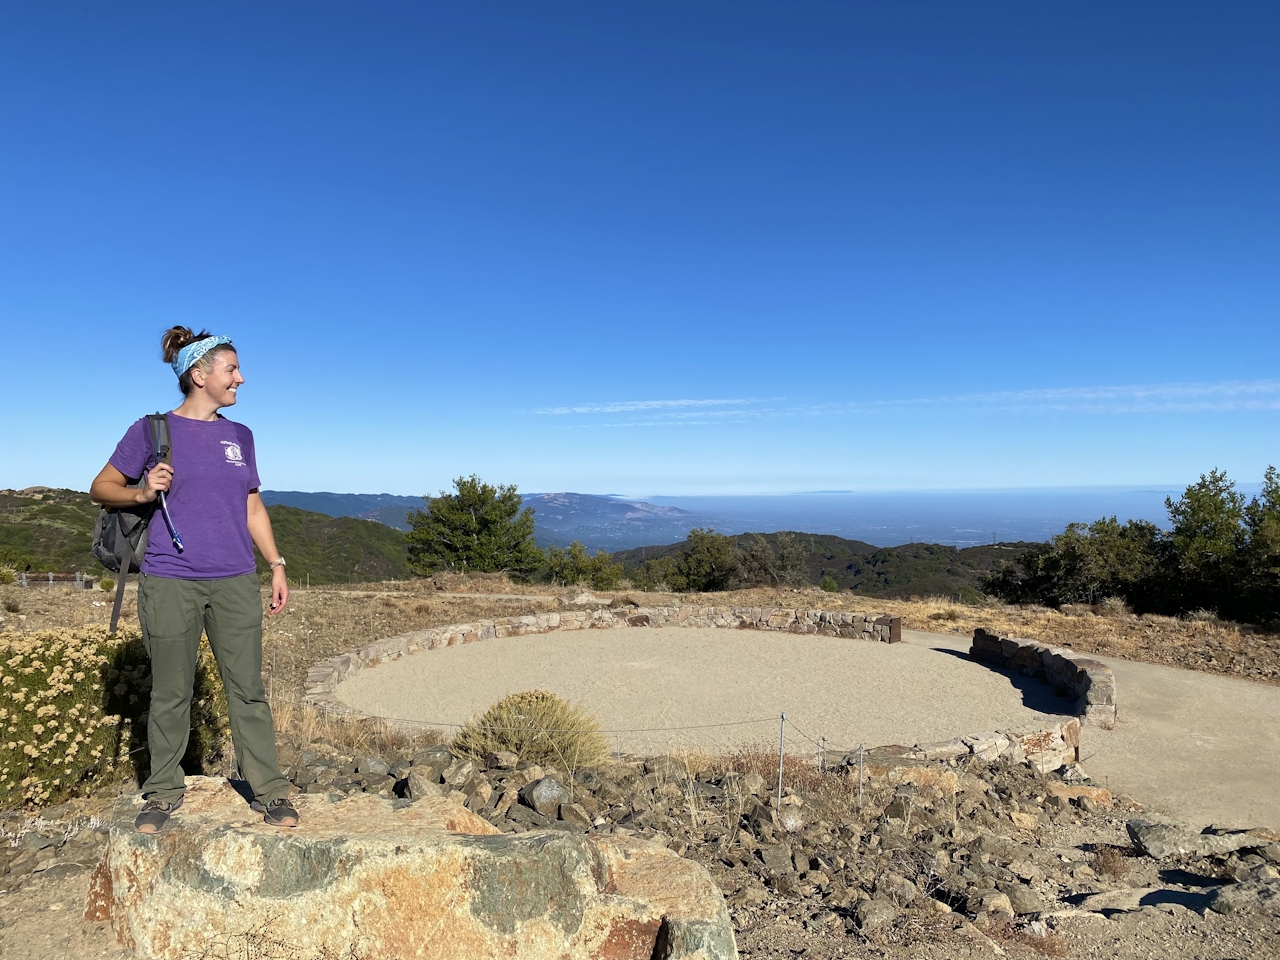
[(214, 468)]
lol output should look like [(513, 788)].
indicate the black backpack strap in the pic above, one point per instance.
[(161, 444), (125, 562), (162, 449)]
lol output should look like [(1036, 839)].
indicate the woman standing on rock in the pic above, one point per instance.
[(203, 581)]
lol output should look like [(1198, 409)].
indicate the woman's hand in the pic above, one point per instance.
[(279, 591), (159, 479)]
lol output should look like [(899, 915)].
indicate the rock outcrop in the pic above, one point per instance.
[(1164, 840), (373, 877)]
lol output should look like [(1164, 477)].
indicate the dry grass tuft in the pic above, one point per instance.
[(1111, 861), (1049, 944), (538, 727), (799, 774), (349, 733)]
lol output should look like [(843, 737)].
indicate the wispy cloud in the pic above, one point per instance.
[(1149, 398), (1225, 395), (630, 406)]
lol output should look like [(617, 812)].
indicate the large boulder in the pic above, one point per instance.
[(1163, 840), (373, 877)]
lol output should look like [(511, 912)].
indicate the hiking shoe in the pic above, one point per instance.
[(155, 816), (277, 813)]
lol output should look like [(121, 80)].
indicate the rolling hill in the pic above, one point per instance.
[(50, 529), (912, 569)]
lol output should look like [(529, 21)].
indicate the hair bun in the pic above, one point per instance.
[(175, 338)]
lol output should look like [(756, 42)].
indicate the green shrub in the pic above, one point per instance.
[(73, 708), (107, 583), (575, 565), (828, 583), (538, 727), (8, 574)]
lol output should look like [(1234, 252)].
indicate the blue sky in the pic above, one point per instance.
[(651, 248)]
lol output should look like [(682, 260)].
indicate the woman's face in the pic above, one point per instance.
[(223, 379)]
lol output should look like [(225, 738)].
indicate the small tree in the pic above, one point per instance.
[(575, 565), (708, 562), (478, 527), (780, 563), (1206, 540), (1261, 600)]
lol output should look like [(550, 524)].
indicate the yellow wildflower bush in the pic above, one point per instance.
[(73, 710)]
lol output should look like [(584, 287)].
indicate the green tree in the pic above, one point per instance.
[(708, 562), (477, 527), (1085, 564), (780, 563), (1206, 540), (575, 566), (1261, 560)]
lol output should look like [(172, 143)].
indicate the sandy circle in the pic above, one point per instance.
[(655, 689)]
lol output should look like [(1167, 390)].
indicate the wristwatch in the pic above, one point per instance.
[(278, 563)]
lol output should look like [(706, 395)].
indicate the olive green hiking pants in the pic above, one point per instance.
[(174, 613)]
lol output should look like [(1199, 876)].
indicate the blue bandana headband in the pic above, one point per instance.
[(189, 355)]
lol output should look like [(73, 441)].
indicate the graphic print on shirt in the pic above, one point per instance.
[(233, 452)]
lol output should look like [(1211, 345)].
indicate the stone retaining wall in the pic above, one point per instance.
[(1090, 681), (323, 678), (1045, 749)]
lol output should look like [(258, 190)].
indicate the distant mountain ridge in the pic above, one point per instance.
[(386, 508), (606, 523), (600, 523)]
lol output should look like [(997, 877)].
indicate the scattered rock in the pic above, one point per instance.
[(1252, 894), (373, 766), (574, 815), (1070, 792), (874, 915), (545, 796), (501, 760)]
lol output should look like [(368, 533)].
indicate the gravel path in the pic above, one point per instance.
[(1195, 746), (850, 691)]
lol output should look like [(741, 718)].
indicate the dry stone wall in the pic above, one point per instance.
[(1047, 748), (323, 678), (1091, 682)]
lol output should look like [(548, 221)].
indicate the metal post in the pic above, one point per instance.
[(822, 754), (859, 776), (782, 741)]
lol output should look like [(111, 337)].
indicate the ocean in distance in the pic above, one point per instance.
[(963, 518)]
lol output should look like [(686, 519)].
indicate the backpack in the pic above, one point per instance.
[(120, 534)]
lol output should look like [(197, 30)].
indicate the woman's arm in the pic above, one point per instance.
[(111, 487), (265, 541)]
